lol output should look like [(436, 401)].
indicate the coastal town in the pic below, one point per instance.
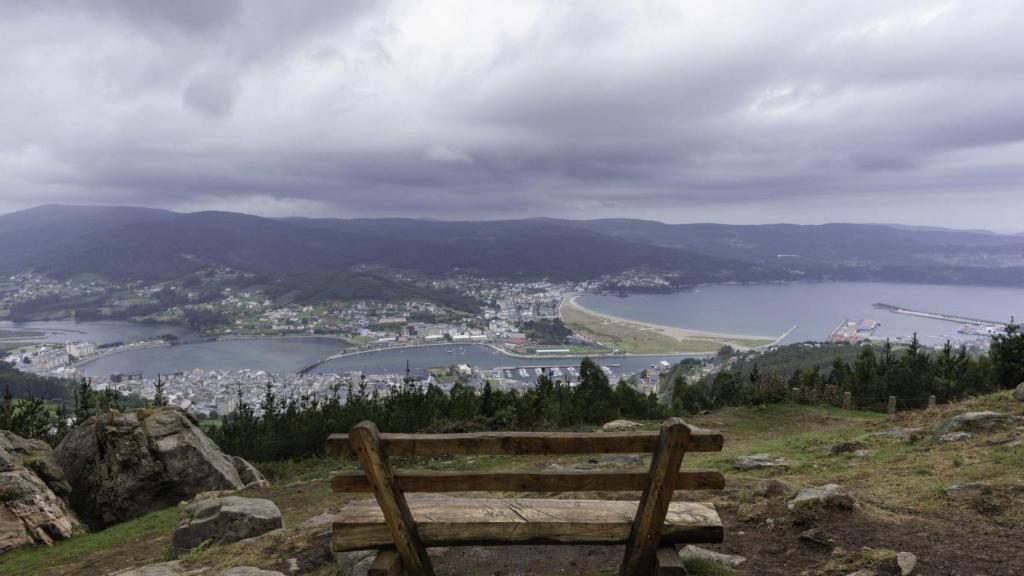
[(537, 326), (520, 320)]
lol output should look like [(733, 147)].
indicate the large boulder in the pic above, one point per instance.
[(224, 520), (32, 491), (124, 464), (977, 422)]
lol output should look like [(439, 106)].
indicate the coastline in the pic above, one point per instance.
[(671, 331)]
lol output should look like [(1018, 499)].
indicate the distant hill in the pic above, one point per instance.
[(118, 242), (125, 243), (841, 251)]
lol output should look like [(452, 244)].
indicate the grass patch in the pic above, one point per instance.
[(303, 469), (143, 540), (702, 567)]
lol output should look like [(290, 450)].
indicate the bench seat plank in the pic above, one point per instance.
[(490, 521), (425, 445)]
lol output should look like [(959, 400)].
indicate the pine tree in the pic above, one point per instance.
[(1007, 354), (159, 399)]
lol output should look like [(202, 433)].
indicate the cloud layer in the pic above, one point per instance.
[(730, 111)]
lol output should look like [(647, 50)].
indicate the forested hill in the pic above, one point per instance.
[(128, 243), (119, 242)]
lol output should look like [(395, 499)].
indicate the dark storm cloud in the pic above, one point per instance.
[(740, 111)]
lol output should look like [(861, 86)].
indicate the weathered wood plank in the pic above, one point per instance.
[(422, 445), (668, 562), (443, 521), (568, 481), (391, 501), (639, 559), (386, 563)]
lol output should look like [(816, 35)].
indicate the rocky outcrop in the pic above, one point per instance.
[(977, 422), (772, 488), (899, 433), (906, 562), (954, 437), (1018, 392), (32, 492), (812, 502), (246, 471), (619, 426), (175, 568), (162, 569), (756, 461), (124, 464), (224, 520), (690, 551), (970, 490)]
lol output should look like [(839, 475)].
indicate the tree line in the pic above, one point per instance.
[(280, 429), (911, 374), (277, 428)]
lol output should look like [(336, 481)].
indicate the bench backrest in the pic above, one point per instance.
[(657, 484)]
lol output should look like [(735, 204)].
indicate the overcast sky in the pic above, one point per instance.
[(741, 112)]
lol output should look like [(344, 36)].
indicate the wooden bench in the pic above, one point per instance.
[(402, 529)]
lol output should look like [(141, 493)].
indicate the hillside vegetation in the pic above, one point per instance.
[(899, 490)]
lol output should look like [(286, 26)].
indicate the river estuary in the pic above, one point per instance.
[(766, 310)]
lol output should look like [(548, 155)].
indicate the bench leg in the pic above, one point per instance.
[(366, 440), (645, 538), (388, 563), (668, 562)]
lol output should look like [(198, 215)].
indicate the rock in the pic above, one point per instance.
[(817, 536), (619, 426), (247, 473), (690, 552), (32, 490), (863, 453), (756, 461), (906, 562), (249, 571), (900, 433), (810, 502), (122, 465), (967, 490), (354, 563), (772, 488), (615, 460), (954, 437), (845, 447), (224, 520), (752, 511), (162, 569), (977, 422), (1018, 392), (862, 573), (321, 519)]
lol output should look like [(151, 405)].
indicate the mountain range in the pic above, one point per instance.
[(150, 244)]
